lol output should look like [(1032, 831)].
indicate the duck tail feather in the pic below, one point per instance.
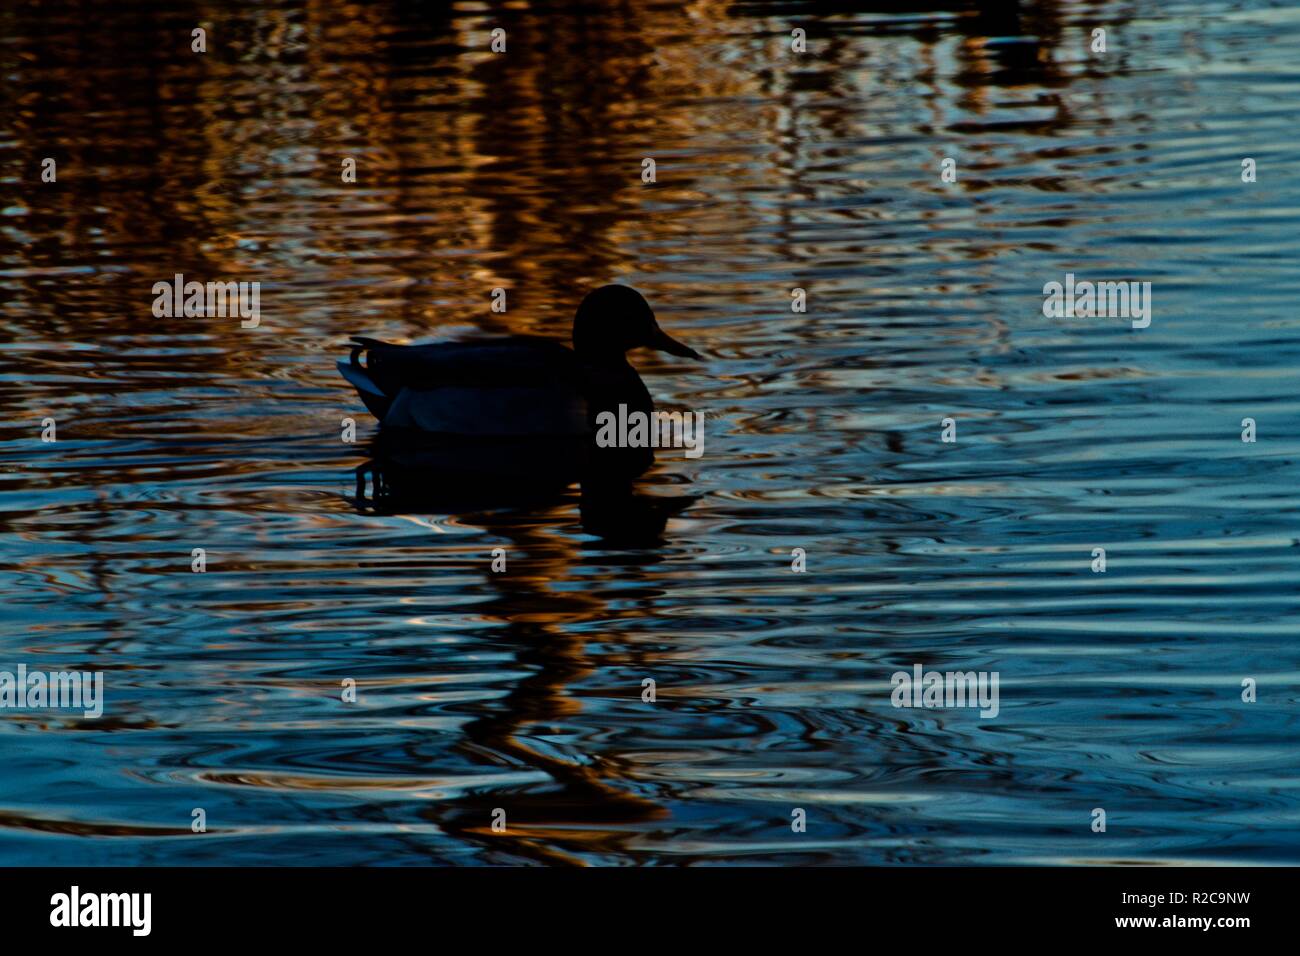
[(376, 402), (362, 382), (360, 344)]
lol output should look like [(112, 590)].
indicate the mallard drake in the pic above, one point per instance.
[(518, 406)]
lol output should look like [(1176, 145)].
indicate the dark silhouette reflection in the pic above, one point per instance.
[(611, 508), (613, 512), (586, 805)]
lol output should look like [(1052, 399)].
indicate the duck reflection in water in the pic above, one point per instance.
[(612, 510), (498, 432)]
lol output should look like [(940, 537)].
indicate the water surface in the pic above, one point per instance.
[(522, 690)]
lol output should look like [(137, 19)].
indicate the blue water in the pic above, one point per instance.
[(522, 691)]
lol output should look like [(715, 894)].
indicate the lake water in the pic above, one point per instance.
[(522, 691)]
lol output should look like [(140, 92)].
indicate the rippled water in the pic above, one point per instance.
[(522, 690)]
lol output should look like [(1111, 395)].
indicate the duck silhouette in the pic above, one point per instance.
[(519, 409)]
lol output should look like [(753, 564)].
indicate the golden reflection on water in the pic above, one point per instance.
[(476, 170)]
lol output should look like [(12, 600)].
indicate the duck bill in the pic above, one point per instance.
[(664, 342)]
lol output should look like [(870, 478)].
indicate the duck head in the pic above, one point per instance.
[(614, 319)]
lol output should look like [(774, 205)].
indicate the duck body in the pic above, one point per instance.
[(514, 409)]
